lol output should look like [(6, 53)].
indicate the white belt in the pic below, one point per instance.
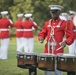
[(4, 29), (74, 30), (19, 30), (27, 29)]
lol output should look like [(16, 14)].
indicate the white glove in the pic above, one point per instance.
[(41, 40), (63, 44)]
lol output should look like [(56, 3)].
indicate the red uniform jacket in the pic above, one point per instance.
[(73, 28), (59, 32), (19, 28), (27, 25), (4, 27)]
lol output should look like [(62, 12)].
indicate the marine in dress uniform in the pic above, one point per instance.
[(72, 47), (28, 33), (55, 29), (4, 35), (19, 32)]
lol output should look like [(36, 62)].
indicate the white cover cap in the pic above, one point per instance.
[(72, 12), (4, 12), (62, 17), (64, 14), (28, 15), (55, 7), (19, 15)]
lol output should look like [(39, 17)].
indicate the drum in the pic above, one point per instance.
[(66, 62), (27, 60), (46, 61)]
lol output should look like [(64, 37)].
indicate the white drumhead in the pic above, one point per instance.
[(27, 53), (20, 52), (31, 53), (46, 55), (66, 55)]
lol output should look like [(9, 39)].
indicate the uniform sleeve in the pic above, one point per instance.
[(10, 24), (35, 25), (43, 33), (10, 20), (69, 34)]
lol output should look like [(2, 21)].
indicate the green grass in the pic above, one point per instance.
[(9, 66)]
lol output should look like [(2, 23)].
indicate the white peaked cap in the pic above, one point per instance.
[(19, 15), (4, 12), (55, 7), (28, 15), (64, 14), (62, 17), (72, 12)]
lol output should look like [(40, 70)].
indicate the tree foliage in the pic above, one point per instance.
[(39, 8)]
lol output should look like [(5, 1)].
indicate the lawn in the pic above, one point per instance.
[(9, 66)]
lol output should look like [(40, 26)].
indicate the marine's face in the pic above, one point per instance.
[(55, 14)]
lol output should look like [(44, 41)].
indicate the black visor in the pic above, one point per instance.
[(54, 11)]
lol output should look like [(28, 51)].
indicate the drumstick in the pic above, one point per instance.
[(48, 47), (59, 48)]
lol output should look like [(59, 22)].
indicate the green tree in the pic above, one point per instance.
[(39, 8)]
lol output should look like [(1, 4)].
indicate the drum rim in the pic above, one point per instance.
[(66, 55), (46, 54), (23, 53)]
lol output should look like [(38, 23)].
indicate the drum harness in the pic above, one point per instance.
[(52, 38)]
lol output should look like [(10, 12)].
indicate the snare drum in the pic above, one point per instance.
[(66, 62), (46, 62), (27, 60)]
